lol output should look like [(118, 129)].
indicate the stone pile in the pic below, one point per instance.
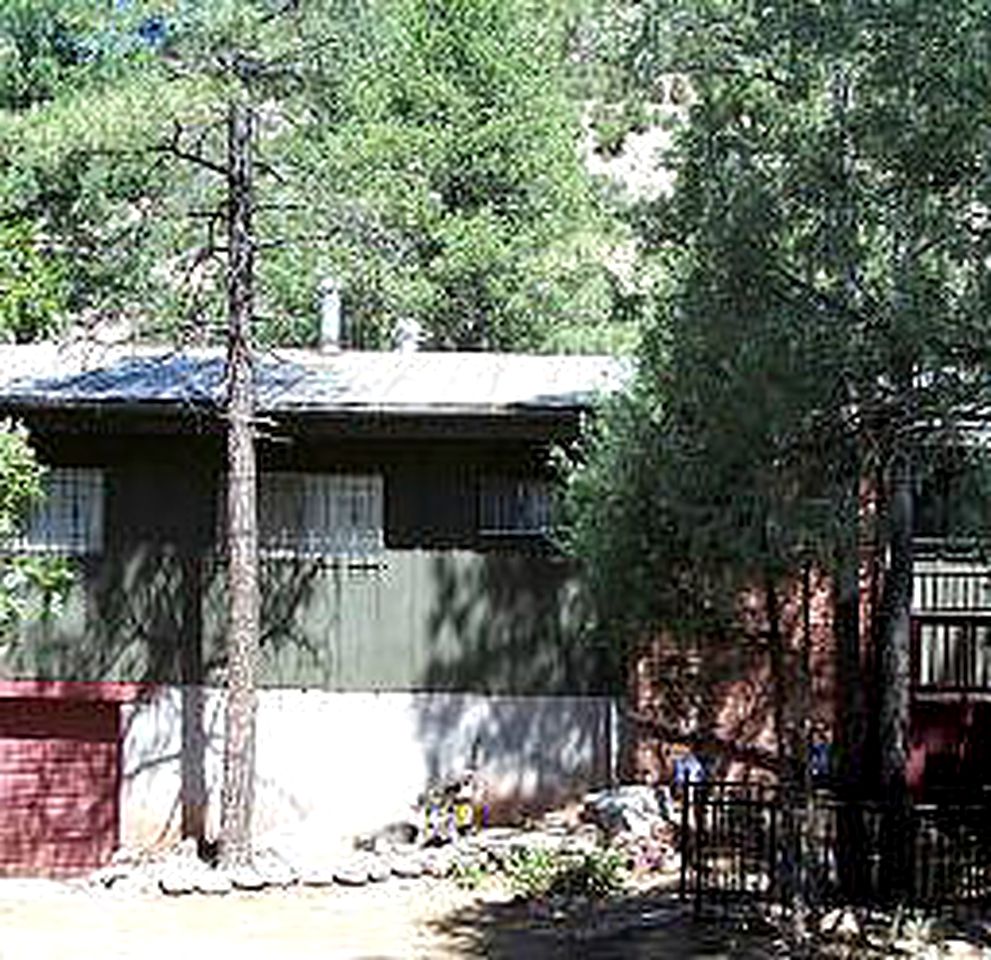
[(870, 935), (635, 820), (639, 821)]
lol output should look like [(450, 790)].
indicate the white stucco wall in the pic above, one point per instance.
[(336, 764)]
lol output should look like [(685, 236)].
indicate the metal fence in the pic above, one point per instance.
[(743, 844)]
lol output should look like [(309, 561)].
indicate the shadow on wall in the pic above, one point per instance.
[(717, 694), (517, 692), (296, 606), (174, 740)]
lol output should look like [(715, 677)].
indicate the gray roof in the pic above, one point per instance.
[(48, 375)]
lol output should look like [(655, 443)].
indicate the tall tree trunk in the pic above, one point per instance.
[(896, 607), (242, 519), (852, 693), (852, 732), (779, 682), (193, 767)]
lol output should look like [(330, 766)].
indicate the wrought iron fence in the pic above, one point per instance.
[(743, 844)]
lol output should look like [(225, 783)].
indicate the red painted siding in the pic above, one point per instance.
[(59, 785)]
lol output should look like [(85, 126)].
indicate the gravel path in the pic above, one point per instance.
[(398, 919)]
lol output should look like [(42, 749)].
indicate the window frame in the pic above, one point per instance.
[(514, 507), (326, 496), (86, 536)]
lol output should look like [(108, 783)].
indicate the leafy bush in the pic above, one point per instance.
[(535, 872)]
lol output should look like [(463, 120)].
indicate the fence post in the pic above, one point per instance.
[(699, 818), (685, 848)]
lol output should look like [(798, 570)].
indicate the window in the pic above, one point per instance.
[(320, 515), (953, 654), (514, 507), (70, 517)]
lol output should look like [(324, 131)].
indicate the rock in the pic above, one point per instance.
[(437, 864), (176, 882), (317, 875), (634, 808), (406, 867), (840, 923), (962, 949), (399, 833), (274, 870), (556, 821), (379, 869), (246, 878), (353, 874), (213, 882), (587, 833), (908, 945)]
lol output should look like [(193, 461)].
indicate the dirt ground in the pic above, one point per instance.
[(398, 919)]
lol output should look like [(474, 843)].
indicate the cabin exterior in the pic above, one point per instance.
[(417, 619)]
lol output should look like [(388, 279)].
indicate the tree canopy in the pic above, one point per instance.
[(826, 314), (425, 156)]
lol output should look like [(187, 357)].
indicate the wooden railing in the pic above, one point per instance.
[(952, 654), (951, 642)]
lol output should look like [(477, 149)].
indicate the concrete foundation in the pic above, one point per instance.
[(334, 764)]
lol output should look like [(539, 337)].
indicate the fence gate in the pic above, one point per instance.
[(743, 844)]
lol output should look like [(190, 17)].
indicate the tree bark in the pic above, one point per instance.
[(852, 733), (779, 681), (242, 520), (896, 606)]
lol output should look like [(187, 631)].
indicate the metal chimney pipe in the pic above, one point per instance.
[(329, 295)]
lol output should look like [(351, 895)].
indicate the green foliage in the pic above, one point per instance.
[(827, 296), (20, 476), (33, 293), (441, 159), (31, 587), (424, 155), (530, 870), (41, 50), (469, 873), (535, 872)]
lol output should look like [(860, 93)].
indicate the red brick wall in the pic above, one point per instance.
[(721, 690)]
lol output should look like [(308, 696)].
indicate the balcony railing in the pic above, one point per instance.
[(952, 655), (965, 590)]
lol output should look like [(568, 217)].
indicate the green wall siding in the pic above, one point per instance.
[(421, 619), (439, 610)]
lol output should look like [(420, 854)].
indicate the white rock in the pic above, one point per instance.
[(176, 882), (378, 869), (352, 874), (961, 949), (213, 882), (840, 923), (246, 878), (406, 867), (317, 876), (275, 871)]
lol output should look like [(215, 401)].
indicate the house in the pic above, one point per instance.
[(719, 697), (417, 620)]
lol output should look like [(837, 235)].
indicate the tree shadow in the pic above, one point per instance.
[(714, 690), (515, 688), (649, 924)]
